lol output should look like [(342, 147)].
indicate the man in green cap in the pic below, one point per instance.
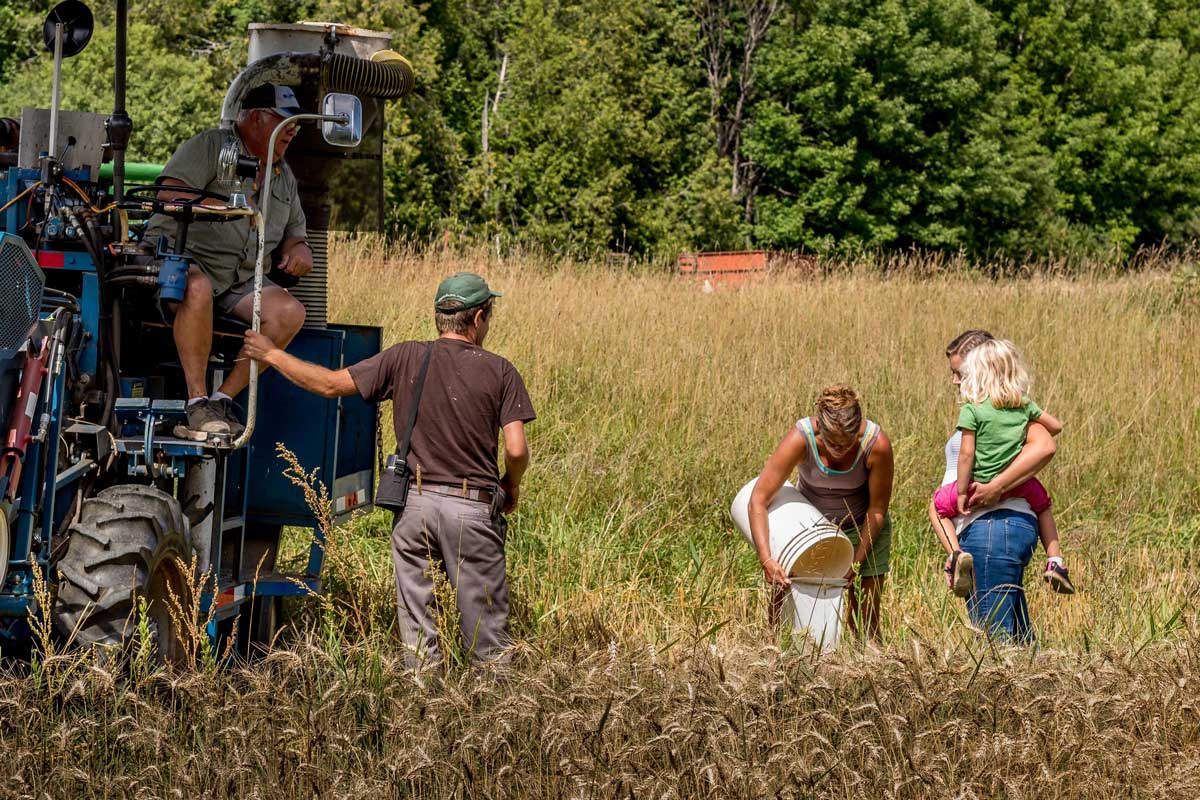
[(454, 513)]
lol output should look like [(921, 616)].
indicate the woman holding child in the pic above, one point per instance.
[(990, 511), (843, 465)]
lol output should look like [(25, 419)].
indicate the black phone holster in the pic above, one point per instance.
[(392, 493)]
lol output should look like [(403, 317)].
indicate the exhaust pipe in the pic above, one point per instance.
[(388, 78)]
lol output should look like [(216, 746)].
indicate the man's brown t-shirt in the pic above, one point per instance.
[(469, 395)]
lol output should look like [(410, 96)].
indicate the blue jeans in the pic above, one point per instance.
[(1001, 543)]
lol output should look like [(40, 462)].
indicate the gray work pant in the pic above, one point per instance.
[(468, 541)]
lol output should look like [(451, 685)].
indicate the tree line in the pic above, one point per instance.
[(985, 127)]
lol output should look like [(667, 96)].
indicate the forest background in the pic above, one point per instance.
[(991, 128)]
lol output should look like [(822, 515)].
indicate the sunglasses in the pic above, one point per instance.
[(276, 118)]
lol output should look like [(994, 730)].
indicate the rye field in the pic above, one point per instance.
[(644, 665)]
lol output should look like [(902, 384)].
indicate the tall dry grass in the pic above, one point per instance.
[(586, 720), (644, 667), (657, 402)]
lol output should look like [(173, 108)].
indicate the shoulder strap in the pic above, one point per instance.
[(805, 425), (402, 447), (870, 436)]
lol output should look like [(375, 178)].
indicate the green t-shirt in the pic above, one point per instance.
[(226, 250), (999, 434)]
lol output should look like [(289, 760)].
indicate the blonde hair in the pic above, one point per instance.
[(838, 410), (995, 371)]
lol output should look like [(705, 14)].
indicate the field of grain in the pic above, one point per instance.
[(644, 664)]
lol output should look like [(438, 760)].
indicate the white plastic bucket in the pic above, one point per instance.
[(815, 607), (802, 540), (814, 553)]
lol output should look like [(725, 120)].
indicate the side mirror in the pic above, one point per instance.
[(349, 133), (78, 23)]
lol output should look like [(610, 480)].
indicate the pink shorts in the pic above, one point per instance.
[(945, 499)]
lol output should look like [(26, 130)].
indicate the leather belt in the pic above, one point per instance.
[(452, 490)]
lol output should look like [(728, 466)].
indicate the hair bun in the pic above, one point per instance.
[(837, 397), (839, 409)]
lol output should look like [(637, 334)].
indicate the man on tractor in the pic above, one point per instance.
[(222, 277)]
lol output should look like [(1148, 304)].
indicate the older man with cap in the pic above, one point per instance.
[(453, 519), (225, 252)]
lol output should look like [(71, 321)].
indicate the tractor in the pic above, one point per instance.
[(97, 493)]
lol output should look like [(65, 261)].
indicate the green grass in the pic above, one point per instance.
[(657, 402)]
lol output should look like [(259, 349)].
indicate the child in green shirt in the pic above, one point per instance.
[(993, 421)]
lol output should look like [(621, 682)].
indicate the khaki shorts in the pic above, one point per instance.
[(227, 300), (879, 560)]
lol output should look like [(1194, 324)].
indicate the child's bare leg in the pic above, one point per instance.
[(946, 533), (947, 536), (1048, 533)]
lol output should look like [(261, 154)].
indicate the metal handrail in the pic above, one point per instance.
[(261, 216)]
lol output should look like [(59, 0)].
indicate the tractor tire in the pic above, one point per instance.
[(131, 542), (5, 541)]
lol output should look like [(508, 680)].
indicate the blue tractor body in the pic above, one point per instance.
[(336, 436), (91, 390)]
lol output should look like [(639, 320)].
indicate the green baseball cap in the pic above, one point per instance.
[(461, 291)]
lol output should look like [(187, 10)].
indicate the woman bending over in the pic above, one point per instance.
[(843, 466)]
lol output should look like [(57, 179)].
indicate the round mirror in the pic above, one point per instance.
[(76, 19)]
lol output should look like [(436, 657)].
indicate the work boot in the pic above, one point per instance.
[(202, 420), (227, 411)]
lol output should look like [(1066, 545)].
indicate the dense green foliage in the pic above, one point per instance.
[(980, 126)]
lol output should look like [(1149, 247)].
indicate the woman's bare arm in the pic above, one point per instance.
[(790, 452), (881, 469), (1039, 449)]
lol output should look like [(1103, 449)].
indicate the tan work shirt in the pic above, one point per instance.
[(226, 250)]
